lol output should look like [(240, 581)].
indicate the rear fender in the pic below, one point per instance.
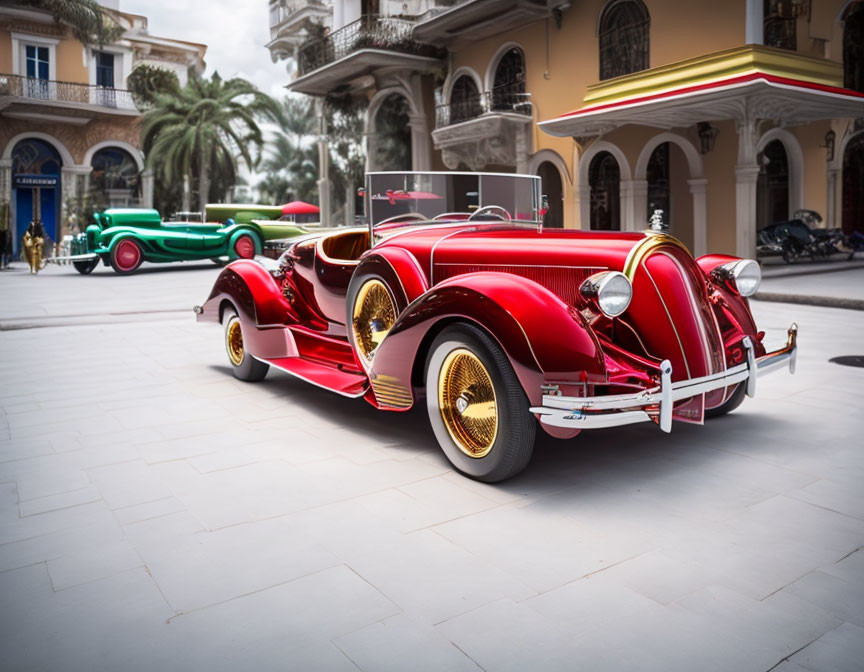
[(544, 339)]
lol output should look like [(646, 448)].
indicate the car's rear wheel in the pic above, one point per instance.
[(85, 267), (733, 402), (244, 246), (126, 257), (243, 365), (476, 405)]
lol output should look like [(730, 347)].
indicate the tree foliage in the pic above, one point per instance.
[(89, 21), (201, 131), (146, 81)]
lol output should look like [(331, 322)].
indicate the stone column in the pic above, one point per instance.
[(147, 182), (698, 190), (522, 148), (583, 206), (746, 175), (627, 214), (323, 164), (640, 205), (420, 153), (831, 199)]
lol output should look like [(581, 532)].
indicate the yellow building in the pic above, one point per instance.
[(724, 116), (68, 125)]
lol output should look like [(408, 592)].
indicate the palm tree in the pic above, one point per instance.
[(202, 128), (89, 20), (291, 160)]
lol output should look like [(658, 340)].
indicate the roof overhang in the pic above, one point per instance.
[(324, 80), (740, 84), (476, 19)]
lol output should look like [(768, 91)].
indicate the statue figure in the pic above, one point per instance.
[(656, 221), (34, 239)]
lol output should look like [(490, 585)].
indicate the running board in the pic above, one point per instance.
[(333, 378)]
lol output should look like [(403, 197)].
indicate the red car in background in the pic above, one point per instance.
[(456, 297)]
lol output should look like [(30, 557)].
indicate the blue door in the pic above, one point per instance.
[(24, 212)]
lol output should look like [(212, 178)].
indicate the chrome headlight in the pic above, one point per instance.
[(610, 290), (742, 276)]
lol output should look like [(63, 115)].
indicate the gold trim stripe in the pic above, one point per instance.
[(647, 245)]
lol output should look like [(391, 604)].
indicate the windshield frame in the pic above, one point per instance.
[(536, 198)]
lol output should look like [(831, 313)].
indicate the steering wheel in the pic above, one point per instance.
[(494, 211)]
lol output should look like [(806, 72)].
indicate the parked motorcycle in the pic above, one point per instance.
[(798, 237)]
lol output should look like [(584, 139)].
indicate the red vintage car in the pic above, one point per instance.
[(456, 297)]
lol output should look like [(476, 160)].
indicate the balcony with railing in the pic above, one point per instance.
[(370, 42), (19, 94), (290, 21), (510, 99), (483, 129)]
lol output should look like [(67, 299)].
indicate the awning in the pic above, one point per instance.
[(744, 84), (299, 208)]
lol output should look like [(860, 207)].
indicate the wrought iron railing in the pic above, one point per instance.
[(508, 98), (368, 32), (66, 92)]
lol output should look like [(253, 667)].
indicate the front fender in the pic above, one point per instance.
[(544, 339), (252, 291)]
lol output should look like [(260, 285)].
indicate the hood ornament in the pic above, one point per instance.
[(656, 222)]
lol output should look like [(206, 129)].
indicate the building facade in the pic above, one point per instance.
[(69, 128), (725, 117)]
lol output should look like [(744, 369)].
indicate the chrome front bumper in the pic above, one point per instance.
[(626, 409)]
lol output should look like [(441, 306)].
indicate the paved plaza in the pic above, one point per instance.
[(157, 514)]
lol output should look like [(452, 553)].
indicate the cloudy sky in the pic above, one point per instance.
[(235, 32)]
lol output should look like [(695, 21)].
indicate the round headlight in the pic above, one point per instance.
[(610, 290), (744, 276)]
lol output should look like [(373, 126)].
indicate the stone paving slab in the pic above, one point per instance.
[(155, 513)]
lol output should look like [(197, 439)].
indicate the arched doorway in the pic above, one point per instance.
[(551, 187), (393, 134), (659, 190), (853, 47), (464, 100), (508, 85), (604, 178), (35, 186), (772, 186), (853, 179), (115, 179)]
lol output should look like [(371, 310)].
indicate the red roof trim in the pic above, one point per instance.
[(732, 81)]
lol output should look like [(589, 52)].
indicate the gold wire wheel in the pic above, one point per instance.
[(374, 315), (234, 342), (466, 398)]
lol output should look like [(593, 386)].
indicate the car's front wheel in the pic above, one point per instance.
[(243, 365), (476, 405), (733, 402), (86, 266)]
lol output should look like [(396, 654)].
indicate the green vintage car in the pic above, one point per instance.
[(126, 237)]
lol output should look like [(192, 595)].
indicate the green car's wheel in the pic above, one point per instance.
[(244, 247), (85, 267), (126, 256)]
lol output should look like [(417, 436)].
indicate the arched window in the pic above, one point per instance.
[(604, 177), (624, 28), (508, 85), (114, 168), (853, 47), (464, 100), (35, 157), (550, 186), (393, 134), (772, 186)]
